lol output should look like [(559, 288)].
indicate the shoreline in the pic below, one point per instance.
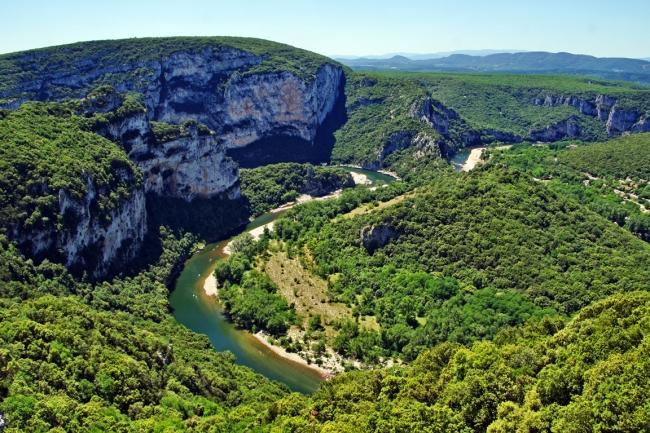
[(280, 351), (386, 172), (332, 364), (475, 158), (210, 285)]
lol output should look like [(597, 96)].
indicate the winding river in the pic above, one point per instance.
[(202, 314)]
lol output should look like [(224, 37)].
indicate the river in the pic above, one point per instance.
[(201, 313)]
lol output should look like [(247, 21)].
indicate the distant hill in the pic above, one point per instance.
[(426, 56), (635, 70)]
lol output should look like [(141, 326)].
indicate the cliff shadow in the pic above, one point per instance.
[(281, 147), (208, 218)]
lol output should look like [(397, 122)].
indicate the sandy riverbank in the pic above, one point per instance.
[(360, 179), (390, 173), (474, 158), (210, 285), (256, 233), (324, 371)]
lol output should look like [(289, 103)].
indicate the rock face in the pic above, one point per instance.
[(606, 108), (424, 143), (442, 120), (216, 85), (569, 128), (434, 114), (191, 165), (377, 236), (89, 240), (212, 86)]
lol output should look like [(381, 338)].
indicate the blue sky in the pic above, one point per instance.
[(597, 27)]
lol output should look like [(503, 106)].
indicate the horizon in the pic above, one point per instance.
[(363, 29), (421, 55)]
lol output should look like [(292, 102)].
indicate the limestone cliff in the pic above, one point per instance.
[(213, 94), (89, 240), (221, 84), (186, 162), (619, 119)]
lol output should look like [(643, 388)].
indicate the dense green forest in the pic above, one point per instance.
[(272, 185), (110, 357), (467, 255), (492, 107), (610, 178), (500, 300), (45, 148), (586, 374)]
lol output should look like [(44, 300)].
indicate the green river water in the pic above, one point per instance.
[(202, 313)]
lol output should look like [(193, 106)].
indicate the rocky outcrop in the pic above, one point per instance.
[(622, 120), (643, 125), (89, 240), (569, 128), (193, 164), (618, 119), (424, 144), (377, 236), (189, 167), (257, 106), (433, 113), (213, 86)]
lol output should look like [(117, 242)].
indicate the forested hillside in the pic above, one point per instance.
[(586, 374), (45, 148), (77, 357), (272, 185), (402, 119), (610, 178), (455, 260), (511, 298)]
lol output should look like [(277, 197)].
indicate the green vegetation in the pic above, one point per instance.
[(254, 304), (610, 178), (143, 55), (379, 108), (506, 300), (44, 149), (590, 374), (470, 254), (621, 158), (270, 186), (69, 367), (76, 357), (165, 132), (505, 102)]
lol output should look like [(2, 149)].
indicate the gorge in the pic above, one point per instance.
[(457, 252)]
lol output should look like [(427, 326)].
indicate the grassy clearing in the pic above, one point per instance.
[(376, 206), (306, 291)]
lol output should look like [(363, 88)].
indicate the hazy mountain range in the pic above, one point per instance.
[(637, 70), (425, 56)]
